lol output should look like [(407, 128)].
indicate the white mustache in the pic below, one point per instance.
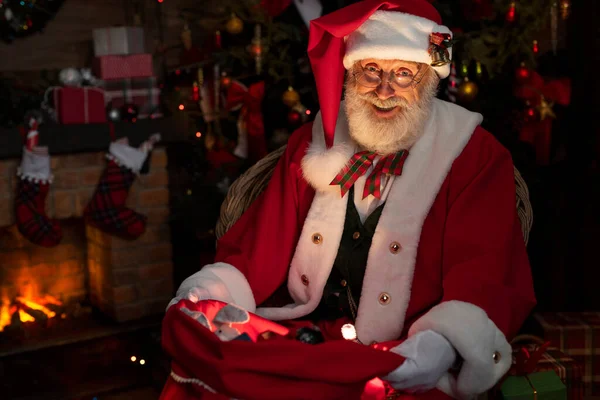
[(387, 103)]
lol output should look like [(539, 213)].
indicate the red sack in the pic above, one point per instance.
[(204, 367)]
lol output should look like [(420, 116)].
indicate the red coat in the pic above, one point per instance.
[(462, 268)]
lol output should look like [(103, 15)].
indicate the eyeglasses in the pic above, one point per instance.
[(403, 79)]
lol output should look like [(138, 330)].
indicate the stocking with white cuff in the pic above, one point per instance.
[(107, 210), (32, 190)]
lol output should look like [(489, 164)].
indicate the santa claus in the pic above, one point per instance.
[(393, 210)]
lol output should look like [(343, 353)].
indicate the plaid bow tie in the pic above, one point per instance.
[(360, 163)]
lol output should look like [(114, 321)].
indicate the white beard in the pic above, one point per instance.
[(387, 135)]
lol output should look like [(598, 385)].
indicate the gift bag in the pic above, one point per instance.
[(241, 355)]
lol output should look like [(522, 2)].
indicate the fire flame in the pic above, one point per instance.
[(8, 309)]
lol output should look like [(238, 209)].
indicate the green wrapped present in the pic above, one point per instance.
[(535, 386)]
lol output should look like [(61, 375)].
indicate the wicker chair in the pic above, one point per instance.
[(252, 182)]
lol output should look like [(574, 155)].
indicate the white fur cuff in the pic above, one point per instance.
[(394, 35), (486, 353), (224, 282), (127, 156), (35, 165)]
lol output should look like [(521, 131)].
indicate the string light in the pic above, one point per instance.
[(181, 107), (349, 332), (142, 362), (198, 134), (133, 358), (535, 47), (307, 112)]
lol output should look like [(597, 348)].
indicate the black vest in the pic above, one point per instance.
[(350, 265)]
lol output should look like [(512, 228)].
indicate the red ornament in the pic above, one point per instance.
[(536, 48), (294, 117), (510, 15), (523, 73)]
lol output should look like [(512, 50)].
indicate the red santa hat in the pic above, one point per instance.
[(384, 29)]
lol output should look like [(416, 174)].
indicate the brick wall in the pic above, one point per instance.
[(126, 279)]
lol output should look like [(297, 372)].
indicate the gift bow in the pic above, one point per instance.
[(249, 99), (526, 362), (536, 88), (537, 91)]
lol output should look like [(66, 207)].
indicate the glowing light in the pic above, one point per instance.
[(181, 107), (307, 112), (142, 362), (349, 332), (198, 134), (133, 358), (189, 192)]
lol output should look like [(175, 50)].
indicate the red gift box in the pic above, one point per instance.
[(79, 105), (120, 67), (576, 334)]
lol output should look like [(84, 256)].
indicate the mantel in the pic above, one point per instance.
[(67, 139)]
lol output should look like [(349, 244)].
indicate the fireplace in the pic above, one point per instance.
[(90, 271)]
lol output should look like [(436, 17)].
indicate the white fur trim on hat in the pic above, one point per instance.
[(393, 35)]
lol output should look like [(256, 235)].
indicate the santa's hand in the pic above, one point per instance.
[(194, 294), (428, 355)]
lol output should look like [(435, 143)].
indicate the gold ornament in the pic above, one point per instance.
[(467, 91), (186, 37), (291, 97), (545, 109), (235, 25)]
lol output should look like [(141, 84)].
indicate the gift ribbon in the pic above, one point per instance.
[(250, 100), (534, 90)]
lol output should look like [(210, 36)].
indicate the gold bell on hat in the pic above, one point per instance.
[(440, 57)]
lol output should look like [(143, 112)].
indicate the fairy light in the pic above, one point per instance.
[(349, 332), (181, 107), (510, 15), (198, 134), (133, 358), (535, 46), (142, 362)]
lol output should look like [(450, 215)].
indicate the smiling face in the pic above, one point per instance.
[(388, 102)]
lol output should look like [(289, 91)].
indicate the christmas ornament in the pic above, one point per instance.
[(467, 91), (510, 15), (522, 73), (439, 43), (545, 109), (453, 83), (565, 9), (186, 37), (256, 49), (464, 69), (290, 97), (478, 70), (129, 112), (107, 210), (309, 335), (70, 77), (294, 117), (235, 25), (302, 111), (30, 200), (113, 114), (530, 112), (225, 80)]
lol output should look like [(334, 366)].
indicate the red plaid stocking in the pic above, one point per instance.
[(107, 209), (30, 201)]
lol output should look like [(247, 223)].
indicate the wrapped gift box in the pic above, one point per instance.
[(536, 386), (576, 334), (129, 84), (122, 67), (568, 370), (79, 105), (147, 100), (118, 41)]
